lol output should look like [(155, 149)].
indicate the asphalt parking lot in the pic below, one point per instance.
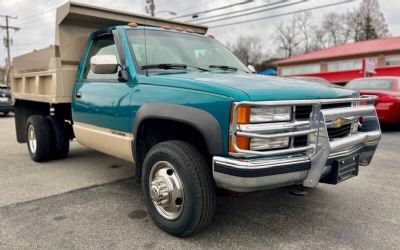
[(91, 201)]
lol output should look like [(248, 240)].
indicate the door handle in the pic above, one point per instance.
[(78, 95)]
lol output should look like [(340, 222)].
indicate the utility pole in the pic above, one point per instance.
[(150, 7), (7, 42)]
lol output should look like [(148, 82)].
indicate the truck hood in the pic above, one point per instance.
[(262, 88)]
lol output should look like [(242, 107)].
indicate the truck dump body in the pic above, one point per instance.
[(48, 75)]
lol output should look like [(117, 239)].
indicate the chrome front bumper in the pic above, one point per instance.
[(247, 171)]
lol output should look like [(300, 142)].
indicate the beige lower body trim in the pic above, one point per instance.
[(110, 142)]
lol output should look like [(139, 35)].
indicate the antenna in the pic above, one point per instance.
[(145, 47)]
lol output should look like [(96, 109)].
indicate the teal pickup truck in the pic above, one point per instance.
[(190, 115)]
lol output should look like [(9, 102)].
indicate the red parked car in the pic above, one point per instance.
[(387, 91)]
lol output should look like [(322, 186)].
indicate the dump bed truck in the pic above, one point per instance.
[(178, 104)]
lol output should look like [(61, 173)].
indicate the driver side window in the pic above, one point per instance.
[(104, 45)]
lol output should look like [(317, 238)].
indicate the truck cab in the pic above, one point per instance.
[(188, 113)]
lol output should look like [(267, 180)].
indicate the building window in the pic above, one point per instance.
[(392, 60), (345, 65), (301, 69)]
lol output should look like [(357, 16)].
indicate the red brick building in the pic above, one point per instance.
[(345, 62)]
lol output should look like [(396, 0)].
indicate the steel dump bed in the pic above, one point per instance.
[(48, 75)]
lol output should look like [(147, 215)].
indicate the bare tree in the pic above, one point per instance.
[(336, 29), (349, 26), (297, 36), (318, 39), (248, 49), (288, 37), (300, 35), (306, 28), (332, 25), (372, 22)]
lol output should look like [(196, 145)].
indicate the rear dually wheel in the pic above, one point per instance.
[(39, 138)]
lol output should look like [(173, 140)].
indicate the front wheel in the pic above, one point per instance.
[(178, 188)]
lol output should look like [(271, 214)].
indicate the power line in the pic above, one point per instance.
[(196, 5), (232, 12), (41, 8), (283, 14), (36, 24), (7, 27), (49, 10), (214, 9), (36, 15), (253, 12)]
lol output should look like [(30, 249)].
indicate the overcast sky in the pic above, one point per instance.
[(36, 18)]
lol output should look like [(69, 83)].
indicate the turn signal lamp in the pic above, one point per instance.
[(177, 28), (241, 142), (166, 27), (132, 24), (243, 117)]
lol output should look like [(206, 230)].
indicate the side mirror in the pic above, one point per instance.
[(104, 64), (251, 68)]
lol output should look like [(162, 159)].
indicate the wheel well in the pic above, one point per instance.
[(153, 131), (24, 109)]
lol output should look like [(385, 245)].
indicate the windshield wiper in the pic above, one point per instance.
[(165, 66), (198, 68), (223, 67), (171, 66)]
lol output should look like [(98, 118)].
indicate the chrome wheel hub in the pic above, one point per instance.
[(32, 139), (159, 191), (166, 190)]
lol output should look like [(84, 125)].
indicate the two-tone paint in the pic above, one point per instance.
[(108, 109)]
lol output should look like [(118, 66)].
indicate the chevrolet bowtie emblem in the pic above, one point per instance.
[(338, 122)]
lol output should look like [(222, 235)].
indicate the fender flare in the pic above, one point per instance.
[(199, 119)]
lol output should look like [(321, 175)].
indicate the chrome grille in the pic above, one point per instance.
[(336, 105), (300, 141), (304, 130), (304, 112), (341, 132)]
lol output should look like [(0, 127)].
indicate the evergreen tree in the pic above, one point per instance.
[(369, 29), (372, 23)]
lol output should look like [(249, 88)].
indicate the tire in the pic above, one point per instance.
[(198, 199), (60, 133), (39, 138)]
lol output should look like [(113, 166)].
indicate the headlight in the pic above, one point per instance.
[(270, 114), (259, 144), (247, 115)]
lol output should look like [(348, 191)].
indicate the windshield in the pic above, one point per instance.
[(173, 50), (379, 84)]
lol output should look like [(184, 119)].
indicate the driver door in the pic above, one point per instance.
[(101, 105)]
